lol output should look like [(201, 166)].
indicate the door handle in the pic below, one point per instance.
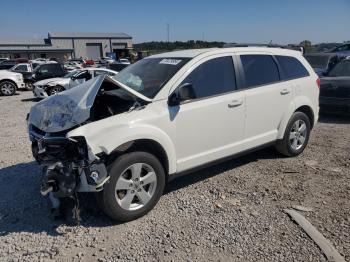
[(285, 92), (235, 103)]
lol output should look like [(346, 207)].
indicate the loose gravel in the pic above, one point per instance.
[(232, 211)]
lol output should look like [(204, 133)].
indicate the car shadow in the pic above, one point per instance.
[(187, 179), (333, 118), (33, 99), (23, 209)]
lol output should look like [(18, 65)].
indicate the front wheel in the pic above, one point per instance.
[(7, 88), (137, 181), (55, 90), (296, 135)]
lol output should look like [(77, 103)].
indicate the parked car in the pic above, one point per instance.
[(10, 82), (69, 66), (48, 87), (89, 62), (106, 60), (343, 50), (3, 59), (125, 137), (322, 63), (26, 70), (7, 64), (124, 61), (335, 89), (46, 71), (78, 60)]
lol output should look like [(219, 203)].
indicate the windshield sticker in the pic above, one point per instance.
[(170, 61)]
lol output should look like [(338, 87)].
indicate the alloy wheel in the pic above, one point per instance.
[(8, 88), (136, 186), (298, 134), (55, 90)]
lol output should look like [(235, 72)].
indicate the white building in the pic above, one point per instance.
[(68, 45)]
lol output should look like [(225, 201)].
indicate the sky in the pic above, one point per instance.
[(245, 21)]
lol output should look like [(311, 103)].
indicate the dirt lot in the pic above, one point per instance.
[(229, 212)]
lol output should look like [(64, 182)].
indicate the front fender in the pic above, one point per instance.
[(106, 139)]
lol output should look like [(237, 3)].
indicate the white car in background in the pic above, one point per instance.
[(124, 61), (72, 65), (48, 87), (9, 82)]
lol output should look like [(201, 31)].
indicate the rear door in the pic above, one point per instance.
[(267, 97)]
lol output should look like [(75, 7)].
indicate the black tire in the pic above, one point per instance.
[(55, 89), (7, 88), (284, 146), (107, 198), (29, 86)]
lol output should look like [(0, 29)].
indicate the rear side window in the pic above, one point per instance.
[(292, 68), (213, 77), (259, 70)]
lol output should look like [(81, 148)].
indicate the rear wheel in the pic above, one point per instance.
[(296, 135), (7, 88), (137, 181), (55, 90)]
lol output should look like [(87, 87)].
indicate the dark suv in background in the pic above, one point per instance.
[(45, 71)]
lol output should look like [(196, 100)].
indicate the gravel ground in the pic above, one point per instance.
[(232, 211)]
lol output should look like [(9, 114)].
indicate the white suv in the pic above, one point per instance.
[(125, 137)]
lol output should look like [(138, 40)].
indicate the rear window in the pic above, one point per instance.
[(292, 68), (259, 70)]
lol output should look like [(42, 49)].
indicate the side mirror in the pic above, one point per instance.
[(174, 99), (182, 93)]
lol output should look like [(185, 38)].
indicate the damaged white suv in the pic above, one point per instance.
[(125, 137)]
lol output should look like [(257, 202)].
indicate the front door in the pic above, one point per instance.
[(211, 125)]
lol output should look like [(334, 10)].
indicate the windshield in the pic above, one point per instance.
[(318, 61), (70, 74), (149, 75), (341, 69)]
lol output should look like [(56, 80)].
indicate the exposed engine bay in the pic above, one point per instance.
[(68, 165)]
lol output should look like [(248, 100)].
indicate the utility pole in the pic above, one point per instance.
[(168, 31)]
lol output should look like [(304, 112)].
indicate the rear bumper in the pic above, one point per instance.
[(335, 104)]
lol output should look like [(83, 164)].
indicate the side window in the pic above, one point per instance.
[(44, 69), (292, 68), (99, 72), (21, 68), (84, 75), (214, 77), (259, 70)]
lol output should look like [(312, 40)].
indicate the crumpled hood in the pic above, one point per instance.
[(56, 80), (71, 107), (67, 109)]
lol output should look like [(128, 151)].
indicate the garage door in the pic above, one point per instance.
[(93, 51)]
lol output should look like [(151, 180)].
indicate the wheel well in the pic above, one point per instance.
[(9, 80), (307, 111), (147, 145)]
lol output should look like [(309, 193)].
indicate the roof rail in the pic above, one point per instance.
[(252, 44)]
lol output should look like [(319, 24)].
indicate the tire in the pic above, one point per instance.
[(7, 88), (123, 173), (55, 90), (296, 135), (29, 86)]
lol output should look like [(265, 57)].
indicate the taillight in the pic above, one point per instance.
[(318, 82)]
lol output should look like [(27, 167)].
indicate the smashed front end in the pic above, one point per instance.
[(68, 163)]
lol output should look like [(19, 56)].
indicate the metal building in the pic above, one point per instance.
[(68, 45)]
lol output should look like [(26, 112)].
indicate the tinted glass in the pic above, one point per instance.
[(149, 75), (341, 69), (291, 67), (259, 70), (21, 68), (213, 77)]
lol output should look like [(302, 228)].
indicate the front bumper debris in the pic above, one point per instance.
[(67, 165)]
